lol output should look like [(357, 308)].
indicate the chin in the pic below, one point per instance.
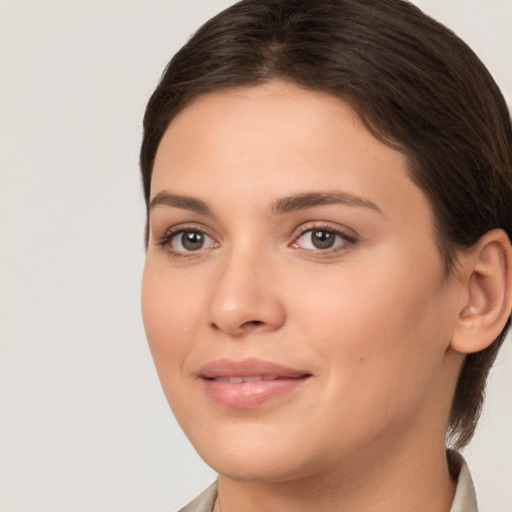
[(251, 456), (270, 468)]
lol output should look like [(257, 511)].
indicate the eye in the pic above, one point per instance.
[(185, 241), (322, 239)]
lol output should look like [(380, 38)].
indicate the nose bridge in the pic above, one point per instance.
[(243, 298)]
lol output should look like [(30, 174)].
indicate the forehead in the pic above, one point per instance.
[(259, 143)]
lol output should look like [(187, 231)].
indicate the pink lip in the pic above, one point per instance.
[(221, 379)]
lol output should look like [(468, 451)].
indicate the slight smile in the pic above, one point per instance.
[(249, 382)]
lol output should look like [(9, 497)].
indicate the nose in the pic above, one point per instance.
[(245, 297)]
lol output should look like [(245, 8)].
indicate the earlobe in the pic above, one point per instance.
[(488, 281)]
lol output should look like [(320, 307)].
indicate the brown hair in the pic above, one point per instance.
[(415, 85)]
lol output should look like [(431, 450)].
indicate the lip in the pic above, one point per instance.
[(250, 382)]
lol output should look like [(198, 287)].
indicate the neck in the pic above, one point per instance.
[(410, 481)]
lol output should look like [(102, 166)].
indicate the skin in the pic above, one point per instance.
[(371, 319)]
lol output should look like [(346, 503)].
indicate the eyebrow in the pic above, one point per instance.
[(309, 200), (178, 201), (284, 205)]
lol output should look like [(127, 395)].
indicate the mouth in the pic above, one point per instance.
[(250, 382), (251, 378)]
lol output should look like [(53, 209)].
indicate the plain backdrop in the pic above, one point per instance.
[(84, 425)]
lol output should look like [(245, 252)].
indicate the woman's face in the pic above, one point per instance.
[(293, 296)]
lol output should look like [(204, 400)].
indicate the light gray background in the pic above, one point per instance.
[(83, 422)]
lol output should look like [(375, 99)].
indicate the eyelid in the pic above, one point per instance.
[(165, 239), (349, 236)]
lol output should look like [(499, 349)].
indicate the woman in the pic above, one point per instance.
[(328, 275)]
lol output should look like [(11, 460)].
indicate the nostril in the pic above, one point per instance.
[(251, 323), (254, 323)]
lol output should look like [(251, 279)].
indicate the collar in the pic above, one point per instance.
[(204, 502), (465, 495)]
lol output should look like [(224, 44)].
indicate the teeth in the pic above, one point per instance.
[(238, 380), (252, 379)]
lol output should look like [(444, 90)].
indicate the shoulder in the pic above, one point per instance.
[(204, 502)]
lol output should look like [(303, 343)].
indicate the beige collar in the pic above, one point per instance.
[(465, 495)]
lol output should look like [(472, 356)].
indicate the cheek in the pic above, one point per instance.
[(380, 324), (170, 310)]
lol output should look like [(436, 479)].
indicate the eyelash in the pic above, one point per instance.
[(348, 240), (167, 238)]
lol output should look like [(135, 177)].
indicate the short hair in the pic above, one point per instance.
[(415, 85)]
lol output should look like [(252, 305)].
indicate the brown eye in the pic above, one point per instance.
[(187, 241), (322, 239)]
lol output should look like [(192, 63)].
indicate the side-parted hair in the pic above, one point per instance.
[(415, 85)]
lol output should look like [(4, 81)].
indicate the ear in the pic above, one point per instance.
[(487, 280)]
